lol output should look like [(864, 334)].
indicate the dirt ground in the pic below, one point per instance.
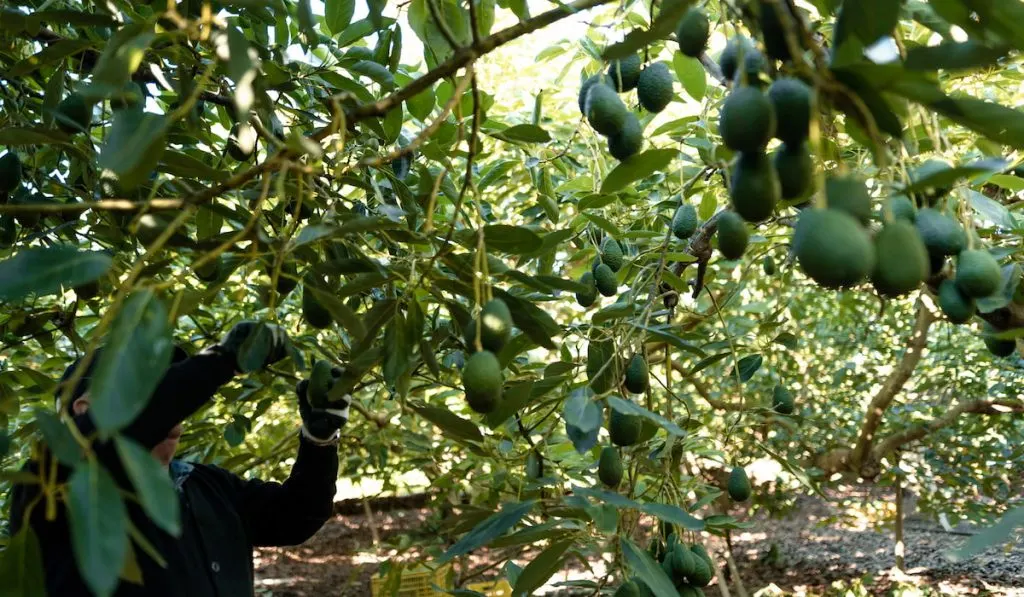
[(803, 554)]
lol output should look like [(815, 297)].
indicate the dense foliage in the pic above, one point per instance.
[(781, 305)]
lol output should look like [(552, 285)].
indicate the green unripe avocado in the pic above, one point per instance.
[(794, 169), (209, 271), (768, 265), (627, 141), (693, 32), (684, 563), (901, 259), (747, 119), (10, 172), (783, 401), (753, 59), (702, 571), (88, 290), (999, 347), (977, 273), (739, 485), (534, 465), (940, 233), (611, 253), (320, 381), (733, 235), (699, 551), (242, 141), (609, 467), (628, 589), (637, 375), (587, 298), (684, 222), (605, 280), (848, 193), (482, 381), (602, 365), (625, 72), (901, 208), (755, 189), (73, 114), (605, 110), (791, 100), (958, 307), (312, 311), (287, 279), (495, 327), (624, 429), (654, 87), (832, 248), (772, 29), (599, 78)]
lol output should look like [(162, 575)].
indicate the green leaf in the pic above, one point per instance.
[(136, 355), (52, 53), (947, 177), (748, 366), (662, 26), (953, 56), (184, 165), (534, 321), (134, 146), (152, 485), (376, 72), (674, 515), (121, 57), (43, 271), (991, 209), (515, 240), (493, 527), (58, 438), (338, 14), (421, 104), (637, 167), (998, 123), (517, 395), (867, 20), (581, 411), (542, 567), (647, 570), (604, 224), (524, 133), (21, 566), (631, 408), (613, 311), (341, 313), (99, 526), (691, 74), (583, 441), (448, 421)]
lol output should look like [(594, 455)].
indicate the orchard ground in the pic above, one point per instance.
[(843, 546)]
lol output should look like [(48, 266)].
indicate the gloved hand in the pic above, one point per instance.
[(322, 423), (255, 345)]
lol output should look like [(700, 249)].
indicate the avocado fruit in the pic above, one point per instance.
[(654, 87), (624, 429), (773, 32), (625, 72), (10, 172), (482, 381), (997, 346), (602, 365), (628, 589), (832, 248), (637, 375), (795, 170), (242, 141), (587, 298), (977, 273), (755, 188), (628, 140), (605, 110), (321, 379), (753, 60), (684, 222), (900, 207), (611, 253), (783, 401), (605, 280), (940, 233), (609, 467), (313, 312), (901, 259), (733, 235), (747, 119), (739, 485), (693, 32), (495, 323), (597, 79), (848, 193), (958, 306), (73, 114), (791, 100)]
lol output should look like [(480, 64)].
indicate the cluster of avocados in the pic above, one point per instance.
[(485, 336), (601, 279), (600, 103), (689, 567)]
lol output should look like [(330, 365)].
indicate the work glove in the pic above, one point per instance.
[(255, 345), (322, 419)]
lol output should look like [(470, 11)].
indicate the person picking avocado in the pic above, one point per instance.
[(223, 516)]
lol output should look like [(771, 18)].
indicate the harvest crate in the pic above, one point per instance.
[(416, 582)]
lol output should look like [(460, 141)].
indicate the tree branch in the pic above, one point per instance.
[(979, 407), (873, 417), (467, 54)]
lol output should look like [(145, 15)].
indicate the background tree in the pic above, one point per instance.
[(173, 169)]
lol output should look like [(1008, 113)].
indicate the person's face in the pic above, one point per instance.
[(163, 452)]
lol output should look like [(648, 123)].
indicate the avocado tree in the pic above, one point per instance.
[(584, 285)]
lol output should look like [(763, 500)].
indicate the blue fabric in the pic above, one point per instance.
[(180, 470)]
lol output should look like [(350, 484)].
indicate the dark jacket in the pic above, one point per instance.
[(223, 516)]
